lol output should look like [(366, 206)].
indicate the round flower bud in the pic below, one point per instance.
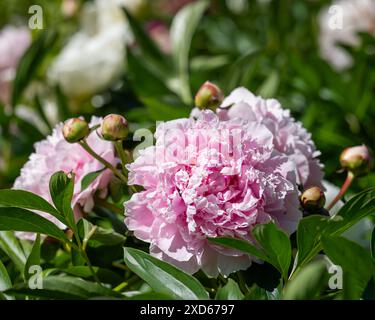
[(75, 129), (114, 127), (209, 96), (313, 199), (357, 160)]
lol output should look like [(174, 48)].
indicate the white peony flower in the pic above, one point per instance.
[(94, 57), (340, 23)]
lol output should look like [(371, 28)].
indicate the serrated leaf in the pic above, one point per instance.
[(163, 277)]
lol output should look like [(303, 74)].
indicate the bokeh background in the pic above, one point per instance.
[(146, 59)]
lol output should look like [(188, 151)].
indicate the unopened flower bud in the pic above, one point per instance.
[(75, 129), (313, 199), (209, 96), (357, 160), (114, 127)]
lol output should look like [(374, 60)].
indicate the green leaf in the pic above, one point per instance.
[(163, 277), (27, 200), (357, 208), (240, 245), (150, 296), (105, 275), (61, 186), (30, 62), (11, 246), (308, 283), (311, 229), (16, 219), (373, 243), (257, 293), (182, 30), (356, 262), (5, 282), (276, 248), (97, 236), (230, 291), (150, 51), (89, 178), (34, 257), (276, 245), (309, 232), (58, 287)]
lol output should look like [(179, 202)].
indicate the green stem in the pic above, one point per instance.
[(85, 146), (121, 153), (125, 159), (344, 188), (84, 256)]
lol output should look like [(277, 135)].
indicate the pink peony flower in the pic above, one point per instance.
[(289, 136), (55, 154), (13, 43), (209, 178)]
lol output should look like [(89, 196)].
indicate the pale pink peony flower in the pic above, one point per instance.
[(13, 43), (55, 154), (289, 136), (209, 178)]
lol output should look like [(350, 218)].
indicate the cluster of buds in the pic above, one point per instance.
[(113, 128)]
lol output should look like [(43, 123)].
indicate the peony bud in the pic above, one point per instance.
[(114, 127), (209, 96), (357, 160), (75, 129), (313, 199)]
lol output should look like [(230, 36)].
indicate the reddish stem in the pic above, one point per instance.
[(342, 191)]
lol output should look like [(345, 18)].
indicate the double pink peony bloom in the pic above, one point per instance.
[(55, 154), (220, 175)]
